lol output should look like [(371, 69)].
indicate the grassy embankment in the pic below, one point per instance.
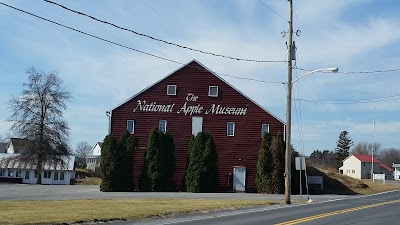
[(335, 183)]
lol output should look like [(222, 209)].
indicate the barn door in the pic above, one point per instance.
[(239, 179), (197, 125)]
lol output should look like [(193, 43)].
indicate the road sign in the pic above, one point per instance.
[(300, 163)]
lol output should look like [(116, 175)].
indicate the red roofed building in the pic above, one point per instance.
[(359, 167)]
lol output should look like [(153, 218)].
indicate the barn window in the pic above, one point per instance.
[(130, 126), (230, 129), (26, 174), (264, 129), (171, 89), (162, 126), (213, 91)]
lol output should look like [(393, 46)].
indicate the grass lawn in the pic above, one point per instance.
[(51, 212)]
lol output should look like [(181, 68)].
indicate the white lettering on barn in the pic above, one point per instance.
[(153, 107), (187, 109)]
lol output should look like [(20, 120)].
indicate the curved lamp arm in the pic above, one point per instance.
[(332, 70)]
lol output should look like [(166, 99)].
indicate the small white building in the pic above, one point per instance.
[(359, 167), (12, 170), (396, 172), (93, 161)]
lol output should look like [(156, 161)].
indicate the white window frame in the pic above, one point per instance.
[(133, 126), (262, 129), (18, 173), (233, 129), (209, 91), (27, 175), (10, 173), (36, 173), (2, 172), (55, 175), (171, 86), (61, 175), (165, 126)]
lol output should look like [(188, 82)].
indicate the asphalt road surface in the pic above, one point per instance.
[(381, 208)]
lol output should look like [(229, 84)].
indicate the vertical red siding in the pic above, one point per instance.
[(240, 150)]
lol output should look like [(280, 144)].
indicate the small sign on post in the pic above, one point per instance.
[(300, 163)]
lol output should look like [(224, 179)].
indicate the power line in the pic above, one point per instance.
[(136, 50), (356, 72), (350, 101), (163, 41), (265, 5)]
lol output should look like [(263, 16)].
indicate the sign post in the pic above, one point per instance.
[(300, 165)]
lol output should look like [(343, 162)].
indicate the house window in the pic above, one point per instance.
[(162, 126), (35, 174), (353, 171), (230, 129), (61, 175), (18, 173), (171, 89), (213, 91), (10, 173), (47, 174), (26, 174), (2, 173), (130, 126), (264, 129), (55, 175)]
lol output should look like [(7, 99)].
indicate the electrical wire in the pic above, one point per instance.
[(265, 5), (136, 50), (163, 41), (354, 101), (356, 72)]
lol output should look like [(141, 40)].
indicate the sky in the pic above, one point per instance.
[(355, 36)]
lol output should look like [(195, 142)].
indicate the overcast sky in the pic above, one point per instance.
[(353, 35)]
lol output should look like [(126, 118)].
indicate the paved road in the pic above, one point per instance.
[(69, 192), (381, 208)]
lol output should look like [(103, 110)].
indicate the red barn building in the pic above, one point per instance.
[(193, 99)]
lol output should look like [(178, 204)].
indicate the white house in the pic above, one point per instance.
[(396, 172), (93, 161), (12, 170), (359, 167)]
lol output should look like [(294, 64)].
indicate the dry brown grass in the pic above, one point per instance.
[(50, 212)]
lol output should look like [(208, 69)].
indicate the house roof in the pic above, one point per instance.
[(18, 142), (205, 68), (3, 147), (366, 158), (10, 161), (386, 167), (100, 144)]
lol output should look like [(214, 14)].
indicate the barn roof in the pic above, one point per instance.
[(204, 68)]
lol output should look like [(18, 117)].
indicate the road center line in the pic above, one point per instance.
[(305, 219)]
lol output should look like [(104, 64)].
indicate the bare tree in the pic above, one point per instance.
[(365, 148), (83, 150), (37, 116), (389, 156)]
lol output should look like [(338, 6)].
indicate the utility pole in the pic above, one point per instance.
[(288, 152)]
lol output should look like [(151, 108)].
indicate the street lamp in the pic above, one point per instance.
[(288, 151)]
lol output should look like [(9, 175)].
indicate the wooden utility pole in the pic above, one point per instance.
[(288, 152)]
